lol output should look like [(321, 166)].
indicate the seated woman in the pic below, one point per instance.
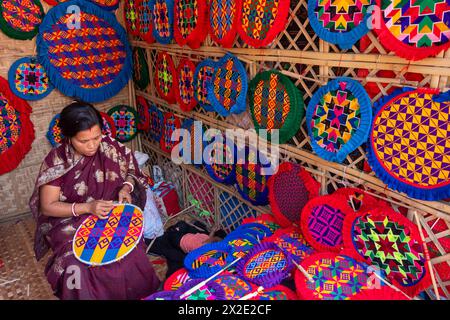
[(83, 176)]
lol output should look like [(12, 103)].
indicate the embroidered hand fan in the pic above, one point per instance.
[(322, 220), (141, 76), (260, 22), (156, 123), (162, 295), (185, 91), (252, 174), (208, 259), (143, 114), (413, 29), (92, 62), (240, 243), (257, 230), (107, 4), (202, 76), (408, 146), (275, 104), (341, 23), (100, 242), (265, 265), (176, 280), (223, 21), (220, 163), (191, 24), (336, 277), (290, 179), (234, 286), (166, 77), (338, 118), (278, 292), (227, 90), (266, 219), (358, 199), (382, 293), (109, 129), (170, 124), (20, 19), (209, 291), (162, 18), (192, 144), (16, 129), (125, 121), (144, 20), (130, 17), (389, 241), (28, 79), (54, 134), (292, 242)]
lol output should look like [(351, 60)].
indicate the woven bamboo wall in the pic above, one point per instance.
[(310, 63), (16, 186)]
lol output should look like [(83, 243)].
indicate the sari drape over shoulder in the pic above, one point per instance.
[(86, 179)]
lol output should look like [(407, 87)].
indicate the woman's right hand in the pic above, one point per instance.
[(100, 208)]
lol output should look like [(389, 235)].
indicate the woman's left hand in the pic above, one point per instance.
[(124, 195)]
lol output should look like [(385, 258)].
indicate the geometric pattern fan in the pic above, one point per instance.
[(54, 134), (144, 20), (335, 277), (107, 4), (162, 19), (190, 22), (16, 129), (220, 161), (141, 74), (89, 59), (125, 120), (260, 22), (185, 91), (340, 22), (338, 117), (222, 22), (170, 124), (291, 178), (156, 123), (131, 17), (409, 147), (275, 104), (109, 128), (389, 241), (202, 76), (415, 29), (28, 79), (143, 111), (99, 242), (322, 220), (20, 19), (166, 82), (208, 259), (227, 90)]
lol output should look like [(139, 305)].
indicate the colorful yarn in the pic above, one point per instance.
[(290, 179), (100, 242), (141, 74), (109, 129), (176, 280), (408, 148), (240, 243), (340, 22), (202, 76), (185, 91), (131, 17), (143, 111), (20, 19), (54, 133), (322, 220), (166, 81), (28, 79), (228, 89), (234, 286), (170, 124), (338, 118), (92, 62), (223, 21), (107, 4), (16, 129), (144, 20), (210, 291), (220, 163), (156, 123), (163, 20), (415, 30), (190, 26), (125, 121), (260, 22)]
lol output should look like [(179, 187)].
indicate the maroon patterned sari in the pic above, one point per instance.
[(86, 179)]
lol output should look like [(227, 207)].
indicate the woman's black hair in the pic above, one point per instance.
[(79, 116)]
